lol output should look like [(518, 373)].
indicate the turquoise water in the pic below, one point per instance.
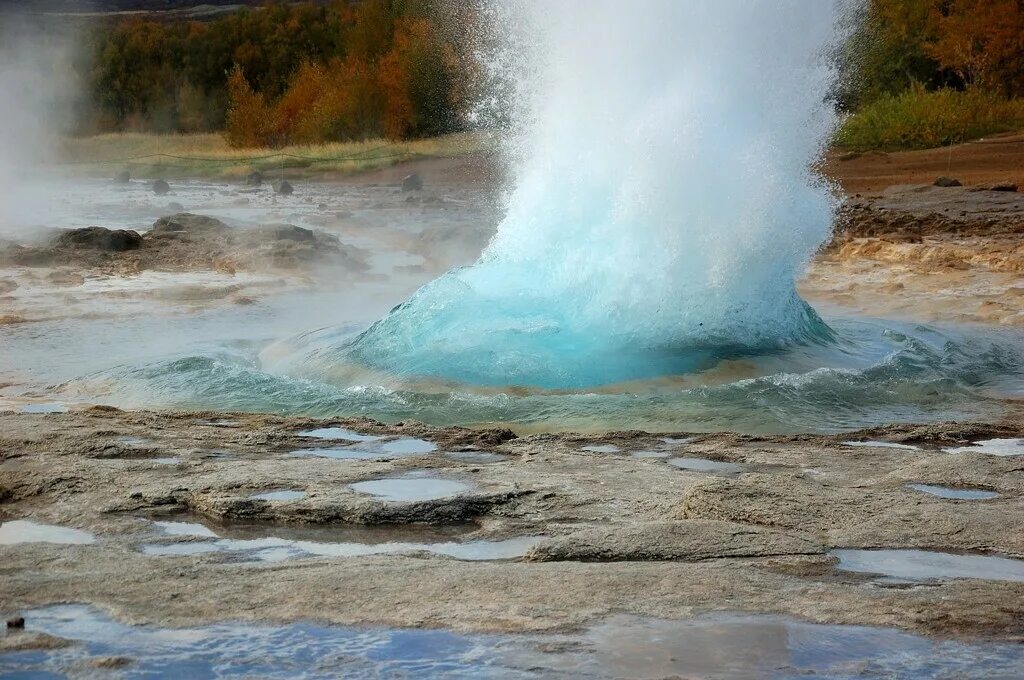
[(874, 372)]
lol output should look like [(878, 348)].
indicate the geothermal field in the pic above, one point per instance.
[(649, 380)]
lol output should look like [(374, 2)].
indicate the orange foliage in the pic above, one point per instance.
[(983, 41)]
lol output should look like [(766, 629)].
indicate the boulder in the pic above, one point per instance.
[(283, 188), (123, 177), (187, 222), (254, 179), (947, 182), (175, 207), (160, 187), (99, 238), (1009, 187), (289, 232), (412, 182)]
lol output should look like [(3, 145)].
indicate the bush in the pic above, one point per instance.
[(917, 119)]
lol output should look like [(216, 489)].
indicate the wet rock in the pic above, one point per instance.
[(412, 182), (31, 641), (947, 182), (192, 224), (99, 238), (160, 187), (122, 177), (175, 207), (17, 622), (283, 188), (289, 232), (254, 179), (691, 540), (112, 662), (1009, 187)]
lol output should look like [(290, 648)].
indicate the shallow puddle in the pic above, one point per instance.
[(411, 488), (882, 445), (705, 465), (270, 543), (409, 446), (954, 493), (651, 454), (926, 565), (601, 448), (482, 457), (371, 449), (25, 531), (713, 647), (338, 433), (279, 496), (54, 407), (993, 447)]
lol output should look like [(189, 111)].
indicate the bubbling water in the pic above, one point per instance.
[(663, 200)]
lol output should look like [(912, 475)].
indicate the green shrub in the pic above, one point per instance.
[(917, 119)]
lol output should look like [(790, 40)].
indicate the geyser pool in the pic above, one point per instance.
[(662, 201)]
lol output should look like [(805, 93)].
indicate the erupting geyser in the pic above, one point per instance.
[(663, 200)]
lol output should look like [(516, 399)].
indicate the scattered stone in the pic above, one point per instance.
[(289, 232), (160, 187), (412, 182), (283, 188), (175, 207), (16, 623), (112, 662), (187, 222), (99, 238), (123, 177), (254, 179), (947, 182)]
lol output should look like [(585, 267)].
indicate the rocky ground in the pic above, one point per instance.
[(615, 526), (590, 526)]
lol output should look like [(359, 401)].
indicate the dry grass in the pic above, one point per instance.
[(917, 119), (208, 155)]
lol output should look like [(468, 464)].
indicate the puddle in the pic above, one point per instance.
[(705, 465), (411, 488), (714, 647), (53, 407), (371, 449), (883, 445), (482, 457), (602, 448), (650, 454), (925, 565), (954, 493), (24, 531), (279, 496), (672, 441), (338, 433), (270, 543), (993, 447), (409, 446), (166, 461)]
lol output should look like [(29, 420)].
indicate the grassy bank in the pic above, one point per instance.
[(208, 155), (917, 119)]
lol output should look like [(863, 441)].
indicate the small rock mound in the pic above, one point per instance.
[(412, 183), (947, 182), (123, 177), (187, 222), (160, 187), (283, 188), (99, 238), (254, 179)]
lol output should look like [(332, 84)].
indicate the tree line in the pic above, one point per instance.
[(343, 70)]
